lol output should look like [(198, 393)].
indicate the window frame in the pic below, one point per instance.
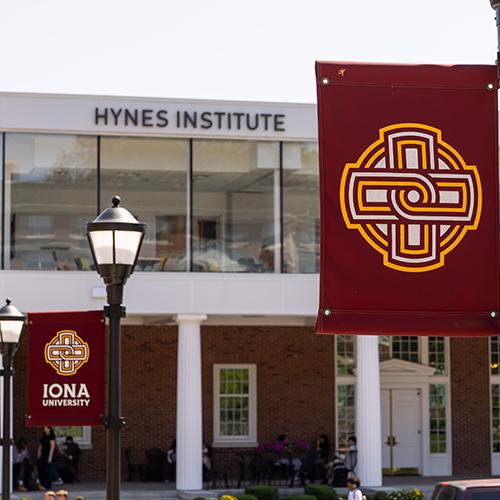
[(85, 442), (232, 441)]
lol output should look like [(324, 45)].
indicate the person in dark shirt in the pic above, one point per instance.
[(45, 455)]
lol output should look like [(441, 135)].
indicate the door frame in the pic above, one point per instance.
[(399, 374)]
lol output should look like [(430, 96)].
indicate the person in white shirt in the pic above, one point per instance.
[(353, 487)]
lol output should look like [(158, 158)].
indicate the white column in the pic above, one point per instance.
[(368, 425), (189, 470)]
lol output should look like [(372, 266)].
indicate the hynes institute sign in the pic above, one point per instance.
[(183, 119)]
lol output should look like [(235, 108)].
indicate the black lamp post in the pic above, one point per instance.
[(115, 238), (495, 4), (11, 325)]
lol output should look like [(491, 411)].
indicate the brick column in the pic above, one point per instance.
[(470, 405)]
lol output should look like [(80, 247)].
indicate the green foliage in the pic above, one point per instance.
[(263, 492), (415, 494), (321, 491), (301, 497), (247, 497), (381, 495)]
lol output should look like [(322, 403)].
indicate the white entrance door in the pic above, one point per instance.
[(401, 432)]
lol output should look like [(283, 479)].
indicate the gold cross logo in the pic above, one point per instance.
[(411, 196), (66, 352)]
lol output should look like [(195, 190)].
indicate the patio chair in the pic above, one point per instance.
[(214, 475), (247, 468), (133, 467), (155, 465)]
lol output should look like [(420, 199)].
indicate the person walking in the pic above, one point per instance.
[(45, 455), (355, 493)]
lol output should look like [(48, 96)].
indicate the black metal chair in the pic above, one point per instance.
[(155, 465), (247, 468), (215, 474), (133, 467)]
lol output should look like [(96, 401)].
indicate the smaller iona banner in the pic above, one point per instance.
[(66, 372), (409, 199)]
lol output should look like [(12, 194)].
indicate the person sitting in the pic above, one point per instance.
[(296, 463), (321, 457), (207, 462), (171, 460), (24, 474), (71, 452)]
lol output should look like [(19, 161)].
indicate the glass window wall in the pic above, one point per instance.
[(300, 208), (50, 193), (150, 175), (240, 215), (234, 205)]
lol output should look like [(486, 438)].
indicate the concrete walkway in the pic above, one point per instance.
[(164, 491)]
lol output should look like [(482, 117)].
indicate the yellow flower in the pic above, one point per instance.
[(227, 497)]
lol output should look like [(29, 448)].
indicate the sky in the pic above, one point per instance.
[(258, 50)]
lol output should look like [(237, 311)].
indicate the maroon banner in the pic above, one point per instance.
[(409, 199), (66, 368)]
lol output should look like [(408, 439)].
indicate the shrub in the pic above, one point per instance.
[(263, 492), (381, 495), (247, 497), (301, 497), (398, 495), (415, 494), (321, 491)]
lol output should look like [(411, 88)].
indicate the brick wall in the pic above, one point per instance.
[(295, 378), (470, 405), (295, 381)]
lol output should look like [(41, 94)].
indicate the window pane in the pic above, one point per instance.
[(397, 347), (495, 418), (437, 418), (494, 355), (233, 205), (345, 354), (150, 176), (437, 348), (345, 413), (300, 208), (234, 403), (51, 181), (75, 432)]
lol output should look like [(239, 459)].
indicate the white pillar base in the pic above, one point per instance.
[(368, 419), (189, 465)]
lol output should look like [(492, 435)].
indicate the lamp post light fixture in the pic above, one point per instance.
[(115, 238), (11, 326)]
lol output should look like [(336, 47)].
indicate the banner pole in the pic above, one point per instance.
[(6, 441)]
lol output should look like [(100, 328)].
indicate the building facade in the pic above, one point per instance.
[(226, 286)]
